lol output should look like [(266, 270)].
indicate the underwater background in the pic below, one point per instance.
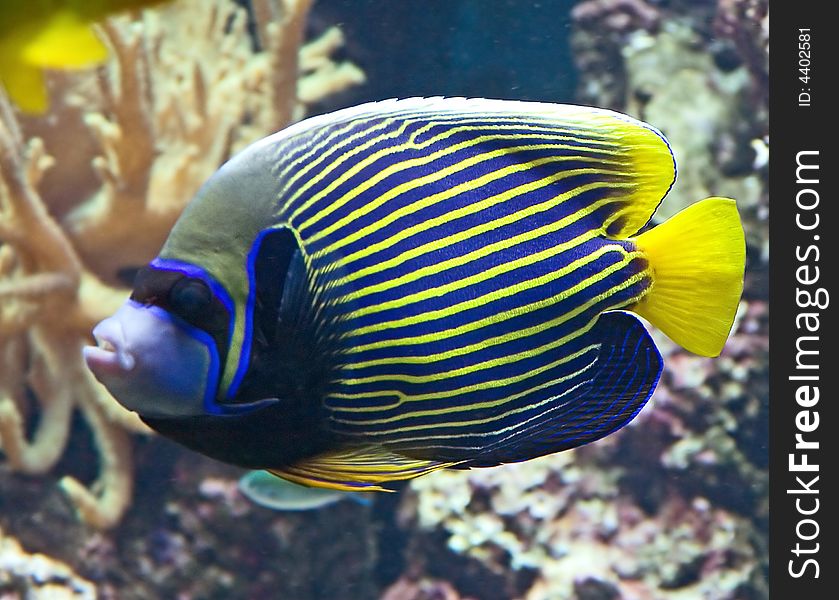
[(93, 505)]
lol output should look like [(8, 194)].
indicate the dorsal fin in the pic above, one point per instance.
[(640, 168)]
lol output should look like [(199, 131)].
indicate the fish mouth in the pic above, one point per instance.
[(110, 356)]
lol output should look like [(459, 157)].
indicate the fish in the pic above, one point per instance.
[(269, 491), (51, 34), (409, 285)]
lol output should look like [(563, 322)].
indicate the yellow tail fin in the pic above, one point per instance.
[(697, 258)]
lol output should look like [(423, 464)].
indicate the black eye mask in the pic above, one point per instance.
[(280, 276), (186, 297)]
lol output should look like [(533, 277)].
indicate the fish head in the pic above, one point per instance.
[(154, 362), (161, 353), (182, 344)]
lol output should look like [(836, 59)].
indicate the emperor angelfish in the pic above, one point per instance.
[(373, 294)]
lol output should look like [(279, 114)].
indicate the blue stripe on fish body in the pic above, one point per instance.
[(518, 306), (429, 203), (595, 402), (416, 213), (506, 262), (463, 380), (472, 394), (455, 228), (395, 163)]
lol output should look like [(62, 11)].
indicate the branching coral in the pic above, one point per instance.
[(49, 299), (92, 189)]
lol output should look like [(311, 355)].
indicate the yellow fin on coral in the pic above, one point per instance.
[(64, 41), (25, 86), (697, 258)]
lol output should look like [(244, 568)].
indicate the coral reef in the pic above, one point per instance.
[(699, 74), (37, 576), (191, 534), (600, 33), (89, 192), (617, 15), (424, 589), (703, 110), (746, 24)]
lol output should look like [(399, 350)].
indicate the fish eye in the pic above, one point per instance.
[(190, 297)]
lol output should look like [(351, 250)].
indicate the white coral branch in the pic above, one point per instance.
[(42, 277), (39, 454), (105, 502)]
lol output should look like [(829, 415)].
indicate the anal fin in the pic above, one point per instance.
[(357, 469)]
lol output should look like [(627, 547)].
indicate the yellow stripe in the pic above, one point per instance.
[(439, 356), (473, 124), (483, 421), (495, 271), (368, 465), (452, 239), (333, 148), (439, 377), (495, 295), (464, 390), (322, 150), (566, 129), (469, 209), (410, 143), (487, 250), (344, 158), (309, 478), (328, 168), (511, 429), (435, 175)]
